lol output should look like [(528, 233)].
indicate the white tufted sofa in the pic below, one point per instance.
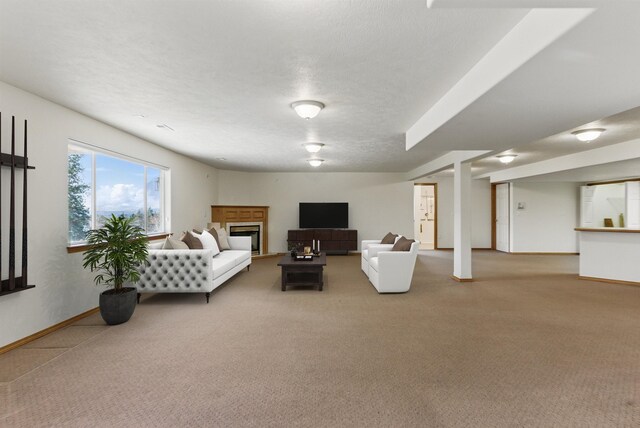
[(192, 271)]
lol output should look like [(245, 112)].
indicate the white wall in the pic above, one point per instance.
[(378, 202), (481, 216), (551, 212), (63, 288)]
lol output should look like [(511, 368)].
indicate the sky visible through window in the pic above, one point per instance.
[(119, 186)]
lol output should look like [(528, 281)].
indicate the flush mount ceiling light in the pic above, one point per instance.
[(588, 135), (313, 147), (315, 162), (307, 109), (506, 158)]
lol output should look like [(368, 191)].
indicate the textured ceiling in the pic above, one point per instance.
[(588, 74), (621, 127), (223, 73)]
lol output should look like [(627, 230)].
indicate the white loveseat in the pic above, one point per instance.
[(389, 271), (365, 248), (192, 271)]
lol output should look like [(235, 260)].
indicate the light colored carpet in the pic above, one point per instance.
[(527, 344)]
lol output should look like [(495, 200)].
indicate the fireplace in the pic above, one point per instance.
[(251, 230), (232, 216)]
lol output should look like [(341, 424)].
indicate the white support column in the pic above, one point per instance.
[(462, 222)]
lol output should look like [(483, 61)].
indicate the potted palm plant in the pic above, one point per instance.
[(117, 249)]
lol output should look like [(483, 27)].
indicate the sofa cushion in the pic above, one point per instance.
[(389, 238), (403, 244), (223, 242), (192, 242), (155, 245), (208, 242), (223, 263), (365, 254), (238, 255), (174, 244), (373, 263), (214, 233)]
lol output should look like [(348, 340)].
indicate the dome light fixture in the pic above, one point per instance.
[(307, 109), (588, 135), (505, 159), (315, 162), (313, 147)]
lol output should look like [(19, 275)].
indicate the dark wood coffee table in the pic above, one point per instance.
[(303, 272)]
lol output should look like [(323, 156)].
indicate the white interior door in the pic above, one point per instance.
[(502, 217), (586, 206)]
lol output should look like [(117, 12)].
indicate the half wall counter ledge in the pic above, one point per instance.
[(15, 284), (610, 254)]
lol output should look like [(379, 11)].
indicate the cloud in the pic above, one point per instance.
[(119, 197)]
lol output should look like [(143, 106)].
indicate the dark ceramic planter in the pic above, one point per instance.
[(117, 308)]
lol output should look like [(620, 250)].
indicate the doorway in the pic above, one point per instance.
[(500, 214), (425, 209)]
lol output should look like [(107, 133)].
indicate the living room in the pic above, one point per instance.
[(223, 132)]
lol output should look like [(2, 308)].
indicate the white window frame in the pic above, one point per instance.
[(164, 185)]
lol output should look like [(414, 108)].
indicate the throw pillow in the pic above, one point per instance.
[(403, 244), (192, 242), (389, 238), (208, 242), (214, 233), (222, 240), (174, 244)]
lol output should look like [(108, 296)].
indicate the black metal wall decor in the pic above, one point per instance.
[(14, 284)]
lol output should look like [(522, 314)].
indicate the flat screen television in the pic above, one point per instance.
[(324, 215)]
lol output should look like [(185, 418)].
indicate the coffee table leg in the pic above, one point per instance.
[(321, 281), (284, 282)]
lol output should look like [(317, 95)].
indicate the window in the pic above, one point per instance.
[(102, 184)]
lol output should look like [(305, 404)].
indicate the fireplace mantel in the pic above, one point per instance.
[(224, 214)]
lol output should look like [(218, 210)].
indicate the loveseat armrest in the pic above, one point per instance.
[(374, 249), (364, 244), (240, 242)]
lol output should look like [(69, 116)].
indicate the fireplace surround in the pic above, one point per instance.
[(251, 229)]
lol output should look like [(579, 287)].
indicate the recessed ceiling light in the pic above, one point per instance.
[(506, 158), (315, 162), (221, 159), (307, 109), (313, 147), (588, 135), (141, 116)]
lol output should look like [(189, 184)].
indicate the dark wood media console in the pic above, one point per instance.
[(332, 241)]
